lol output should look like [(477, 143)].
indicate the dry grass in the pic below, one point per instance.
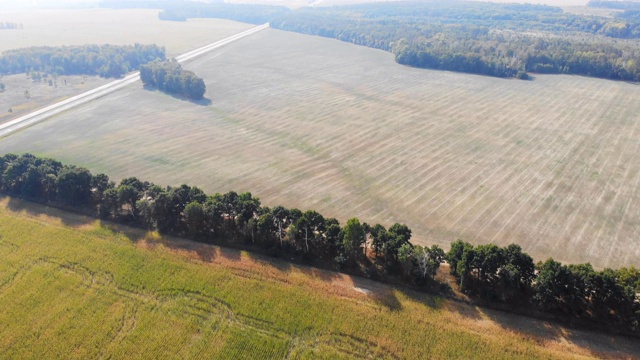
[(71, 287), (319, 124)]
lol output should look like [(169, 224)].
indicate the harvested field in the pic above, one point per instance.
[(14, 103), (74, 288), (318, 124), (118, 27), (95, 26)]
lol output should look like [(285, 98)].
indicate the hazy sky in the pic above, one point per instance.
[(50, 3)]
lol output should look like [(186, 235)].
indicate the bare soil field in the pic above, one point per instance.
[(318, 124)]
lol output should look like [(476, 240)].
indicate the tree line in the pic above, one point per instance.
[(606, 299), (502, 40), (104, 60), (577, 291), (170, 77), (5, 25), (249, 13), (618, 5)]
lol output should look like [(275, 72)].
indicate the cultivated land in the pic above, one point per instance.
[(117, 27), (71, 287), (95, 26), (40, 93), (319, 124)]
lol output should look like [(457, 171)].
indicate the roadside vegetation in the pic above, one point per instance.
[(606, 300)]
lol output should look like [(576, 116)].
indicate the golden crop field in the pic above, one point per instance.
[(315, 123), (72, 287)]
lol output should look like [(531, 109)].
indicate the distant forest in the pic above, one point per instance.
[(605, 300), (502, 40), (109, 61), (169, 76), (9, 25), (619, 5)]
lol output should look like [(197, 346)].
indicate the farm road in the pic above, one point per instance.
[(37, 116)]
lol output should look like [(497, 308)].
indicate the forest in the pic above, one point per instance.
[(619, 5), (168, 76), (9, 25), (578, 294), (249, 13), (503, 40), (109, 61)]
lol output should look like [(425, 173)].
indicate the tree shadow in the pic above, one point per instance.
[(205, 101), (597, 344), (133, 234), (35, 209)]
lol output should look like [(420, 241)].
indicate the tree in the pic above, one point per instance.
[(454, 256), (194, 217), (309, 230), (128, 195), (398, 235), (522, 263), (353, 237), (379, 238), (555, 287), (74, 186), (428, 260), (280, 216), (99, 184), (487, 260)]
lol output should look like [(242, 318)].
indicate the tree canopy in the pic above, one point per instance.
[(170, 77), (103, 60)]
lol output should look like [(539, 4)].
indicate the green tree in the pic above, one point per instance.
[(195, 218), (352, 238), (74, 186), (428, 260), (129, 196)]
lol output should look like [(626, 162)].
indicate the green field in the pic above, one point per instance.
[(319, 124), (71, 287)]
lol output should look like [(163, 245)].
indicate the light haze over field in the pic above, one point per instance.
[(31, 4)]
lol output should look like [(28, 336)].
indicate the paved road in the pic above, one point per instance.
[(49, 111)]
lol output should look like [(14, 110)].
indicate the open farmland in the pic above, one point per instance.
[(71, 287), (117, 27), (96, 26), (318, 124), (14, 103)]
